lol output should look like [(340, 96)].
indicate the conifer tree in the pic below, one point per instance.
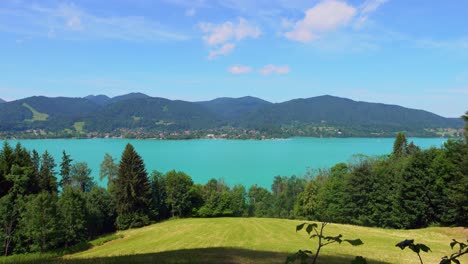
[(399, 146), (47, 179), (132, 191), (65, 167)]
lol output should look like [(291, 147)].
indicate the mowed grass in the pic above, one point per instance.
[(37, 116), (260, 240)]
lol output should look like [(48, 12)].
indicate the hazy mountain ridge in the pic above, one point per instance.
[(139, 111)]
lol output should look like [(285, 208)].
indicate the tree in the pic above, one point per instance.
[(465, 130), (108, 169), (133, 195), (80, 177), (158, 190), (65, 168), (101, 212), (47, 179), (400, 145), (73, 215), (6, 161), (40, 222), (178, 185)]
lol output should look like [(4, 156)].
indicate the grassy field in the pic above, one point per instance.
[(257, 240), (79, 127), (37, 116)]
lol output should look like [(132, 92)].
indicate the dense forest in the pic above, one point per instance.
[(142, 116), (44, 206)]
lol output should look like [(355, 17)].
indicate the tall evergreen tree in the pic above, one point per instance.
[(6, 161), (133, 191), (399, 146), (47, 179), (65, 167)]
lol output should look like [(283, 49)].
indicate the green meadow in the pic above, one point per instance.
[(37, 116), (253, 240)]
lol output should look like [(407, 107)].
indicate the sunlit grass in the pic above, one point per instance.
[(272, 235), (37, 116)]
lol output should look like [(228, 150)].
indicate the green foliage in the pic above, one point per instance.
[(65, 169), (317, 232), (178, 186), (73, 216), (47, 178), (465, 129), (101, 212), (400, 145), (133, 191), (80, 175), (108, 169), (40, 222)]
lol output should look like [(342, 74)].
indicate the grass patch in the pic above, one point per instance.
[(261, 240), (79, 127), (37, 116)]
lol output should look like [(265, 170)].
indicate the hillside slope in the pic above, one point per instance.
[(234, 107), (261, 240), (138, 112), (331, 110)]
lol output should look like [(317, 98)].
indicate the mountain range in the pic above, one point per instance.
[(137, 111)]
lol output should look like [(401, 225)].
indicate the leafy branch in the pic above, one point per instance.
[(317, 232), (416, 248), (462, 249)]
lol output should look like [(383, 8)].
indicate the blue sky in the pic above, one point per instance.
[(412, 53)]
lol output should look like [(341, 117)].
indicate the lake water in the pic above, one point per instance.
[(246, 162)]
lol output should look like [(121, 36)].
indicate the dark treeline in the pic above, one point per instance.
[(409, 188)]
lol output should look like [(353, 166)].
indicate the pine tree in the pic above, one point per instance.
[(65, 167), (132, 191), (47, 179), (400, 145)]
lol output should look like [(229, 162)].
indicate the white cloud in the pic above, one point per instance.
[(366, 9), (326, 16), (74, 23), (239, 69), (227, 31), (223, 50), (190, 12), (270, 68), (69, 21), (222, 36)]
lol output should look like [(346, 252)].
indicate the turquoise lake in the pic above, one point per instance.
[(244, 162)]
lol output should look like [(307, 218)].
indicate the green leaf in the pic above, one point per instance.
[(359, 260), (355, 242), (445, 260), (423, 247), (452, 244), (309, 228), (299, 227), (405, 243), (335, 238)]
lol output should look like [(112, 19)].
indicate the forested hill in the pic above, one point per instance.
[(316, 116)]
